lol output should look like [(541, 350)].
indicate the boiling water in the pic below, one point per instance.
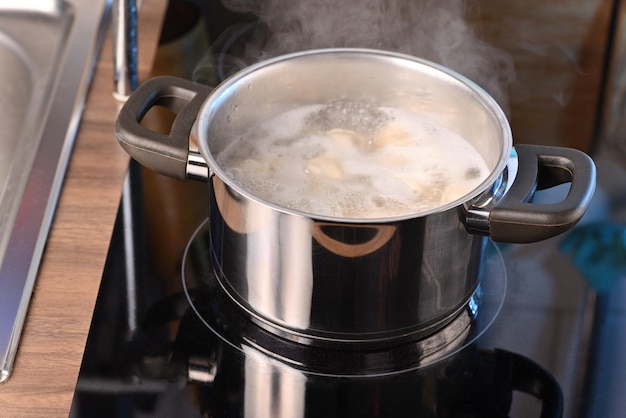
[(351, 160)]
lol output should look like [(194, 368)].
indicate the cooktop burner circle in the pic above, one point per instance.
[(226, 320)]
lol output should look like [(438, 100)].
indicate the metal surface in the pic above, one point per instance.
[(47, 51), (125, 74), (237, 327), (342, 281)]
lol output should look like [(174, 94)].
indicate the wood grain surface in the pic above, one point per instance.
[(53, 340), (558, 50)]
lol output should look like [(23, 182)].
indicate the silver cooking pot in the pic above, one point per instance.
[(328, 279)]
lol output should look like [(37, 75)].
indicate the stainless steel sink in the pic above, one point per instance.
[(48, 50)]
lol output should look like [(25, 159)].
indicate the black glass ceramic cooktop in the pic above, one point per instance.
[(165, 341)]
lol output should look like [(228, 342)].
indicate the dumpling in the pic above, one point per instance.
[(392, 134), (326, 165)]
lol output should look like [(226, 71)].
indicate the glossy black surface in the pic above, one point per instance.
[(563, 310), (191, 347)]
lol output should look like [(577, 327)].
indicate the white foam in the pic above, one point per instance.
[(399, 165)]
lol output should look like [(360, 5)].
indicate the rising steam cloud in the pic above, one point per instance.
[(432, 29)]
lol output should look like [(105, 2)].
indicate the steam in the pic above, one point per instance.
[(432, 29)]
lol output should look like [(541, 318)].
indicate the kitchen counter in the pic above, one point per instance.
[(56, 328)]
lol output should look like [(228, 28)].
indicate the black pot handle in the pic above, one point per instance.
[(489, 386), (530, 378), (163, 153), (516, 219), (509, 373)]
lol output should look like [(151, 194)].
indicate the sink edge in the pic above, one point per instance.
[(27, 240)]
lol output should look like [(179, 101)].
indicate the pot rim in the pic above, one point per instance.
[(214, 100)]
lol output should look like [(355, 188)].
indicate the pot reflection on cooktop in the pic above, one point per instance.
[(181, 347)]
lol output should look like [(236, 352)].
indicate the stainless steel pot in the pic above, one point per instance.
[(327, 279)]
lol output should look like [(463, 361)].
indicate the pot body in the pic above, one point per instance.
[(346, 279), (340, 280), (320, 278)]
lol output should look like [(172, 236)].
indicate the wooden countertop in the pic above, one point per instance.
[(56, 328)]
